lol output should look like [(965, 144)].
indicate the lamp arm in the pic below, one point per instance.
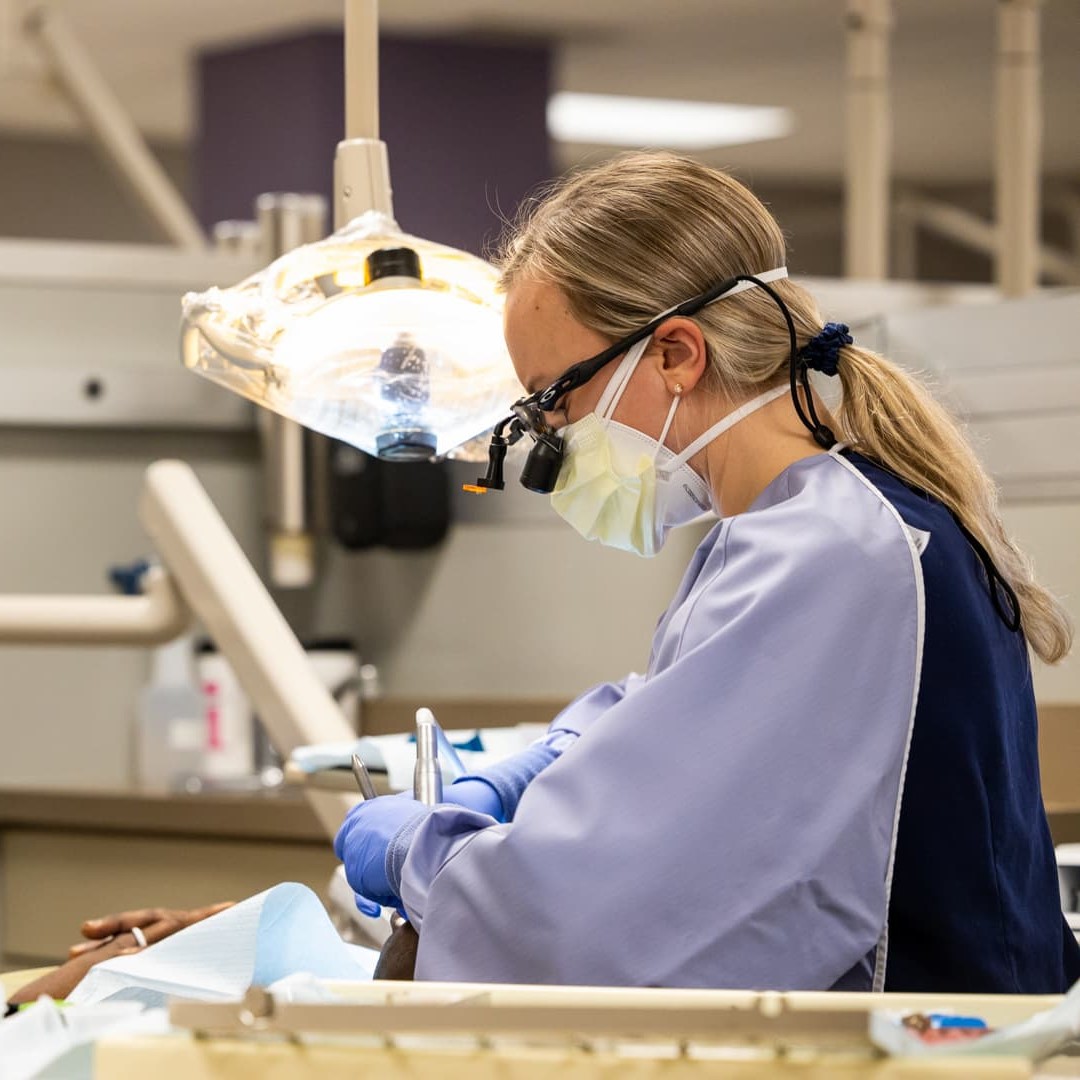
[(157, 616), (221, 587)]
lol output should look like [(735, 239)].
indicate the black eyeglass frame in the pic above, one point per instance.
[(526, 419)]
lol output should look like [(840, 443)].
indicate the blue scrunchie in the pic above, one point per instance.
[(822, 353)]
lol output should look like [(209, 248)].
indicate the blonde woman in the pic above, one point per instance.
[(827, 777)]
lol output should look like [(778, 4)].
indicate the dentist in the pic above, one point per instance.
[(834, 742)]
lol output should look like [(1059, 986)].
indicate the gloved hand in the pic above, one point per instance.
[(365, 837), (472, 794), (475, 794), (366, 906)]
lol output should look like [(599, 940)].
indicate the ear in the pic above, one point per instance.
[(681, 353)]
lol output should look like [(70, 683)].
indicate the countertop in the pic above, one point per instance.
[(280, 815)]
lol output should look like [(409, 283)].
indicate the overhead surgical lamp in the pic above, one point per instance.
[(380, 339)]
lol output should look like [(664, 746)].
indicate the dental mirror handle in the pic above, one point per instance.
[(363, 778)]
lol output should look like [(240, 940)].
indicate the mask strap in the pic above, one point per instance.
[(767, 276), (667, 426), (729, 421), (613, 392), (776, 274)]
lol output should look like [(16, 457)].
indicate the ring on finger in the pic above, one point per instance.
[(139, 936)]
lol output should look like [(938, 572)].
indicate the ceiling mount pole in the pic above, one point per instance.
[(866, 192), (1019, 133), (361, 69), (361, 171)]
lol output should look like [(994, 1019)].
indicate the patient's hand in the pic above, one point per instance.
[(111, 936), (59, 983), (155, 923)]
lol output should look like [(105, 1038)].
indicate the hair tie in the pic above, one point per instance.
[(822, 353)]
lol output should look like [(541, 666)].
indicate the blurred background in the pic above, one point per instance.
[(491, 611), (208, 81)]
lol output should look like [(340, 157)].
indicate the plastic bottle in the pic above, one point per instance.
[(229, 760), (171, 734)]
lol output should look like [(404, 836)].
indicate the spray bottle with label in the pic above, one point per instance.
[(170, 737)]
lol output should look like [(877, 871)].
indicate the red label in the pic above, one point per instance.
[(213, 728)]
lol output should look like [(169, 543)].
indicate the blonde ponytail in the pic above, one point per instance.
[(645, 231), (888, 416)]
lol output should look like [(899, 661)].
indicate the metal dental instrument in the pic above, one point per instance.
[(398, 957), (427, 777), (363, 778)]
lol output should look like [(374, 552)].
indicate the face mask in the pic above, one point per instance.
[(624, 489)]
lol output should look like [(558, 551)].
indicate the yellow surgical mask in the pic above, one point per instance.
[(624, 489)]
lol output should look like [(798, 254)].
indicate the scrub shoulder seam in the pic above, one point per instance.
[(722, 542)]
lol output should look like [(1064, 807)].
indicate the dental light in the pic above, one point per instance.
[(383, 340), (380, 339)]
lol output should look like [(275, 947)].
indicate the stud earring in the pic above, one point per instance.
[(678, 389)]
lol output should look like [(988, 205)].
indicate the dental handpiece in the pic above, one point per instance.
[(399, 952), (427, 777), (363, 778)]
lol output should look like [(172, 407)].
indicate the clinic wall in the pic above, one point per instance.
[(461, 157), (59, 189), (519, 610), (70, 502), (1048, 532)]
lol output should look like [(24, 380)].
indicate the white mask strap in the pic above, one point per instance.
[(767, 278), (667, 425), (729, 421), (613, 392)]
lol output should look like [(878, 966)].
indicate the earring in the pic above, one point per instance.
[(678, 389)]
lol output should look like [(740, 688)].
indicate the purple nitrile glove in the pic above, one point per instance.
[(366, 906), (472, 793), (374, 835), (476, 794)]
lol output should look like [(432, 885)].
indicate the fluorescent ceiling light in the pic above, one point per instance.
[(615, 120)]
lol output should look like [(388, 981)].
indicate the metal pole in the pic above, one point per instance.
[(361, 172), (1019, 123), (866, 200), (112, 129), (361, 69), (287, 221)]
